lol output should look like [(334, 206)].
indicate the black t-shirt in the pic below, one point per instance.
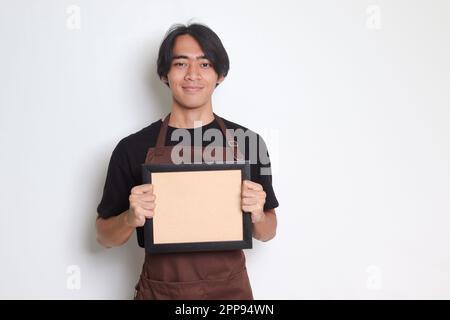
[(124, 169)]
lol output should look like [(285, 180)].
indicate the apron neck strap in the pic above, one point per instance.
[(161, 141)]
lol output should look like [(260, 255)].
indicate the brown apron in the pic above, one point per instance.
[(212, 275)]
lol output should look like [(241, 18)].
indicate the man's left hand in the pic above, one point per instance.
[(253, 199)]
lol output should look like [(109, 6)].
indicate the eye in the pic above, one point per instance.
[(179, 64), (205, 64)]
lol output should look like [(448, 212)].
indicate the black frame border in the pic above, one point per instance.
[(246, 243)]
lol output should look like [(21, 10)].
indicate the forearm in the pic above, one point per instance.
[(113, 232), (265, 230)]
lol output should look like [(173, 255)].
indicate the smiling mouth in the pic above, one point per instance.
[(192, 89)]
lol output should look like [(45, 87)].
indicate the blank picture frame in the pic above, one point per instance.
[(198, 207)]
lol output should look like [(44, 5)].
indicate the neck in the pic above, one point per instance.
[(182, 117)]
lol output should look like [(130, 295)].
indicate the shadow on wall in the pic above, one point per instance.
[(130, 256)]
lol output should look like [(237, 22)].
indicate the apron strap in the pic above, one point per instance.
[(160, 142), (230, 141)]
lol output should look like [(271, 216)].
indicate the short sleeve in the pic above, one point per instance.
[(261, 173), (119, 181)]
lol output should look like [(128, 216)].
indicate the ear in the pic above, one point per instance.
[(165, 80), (220, 79)]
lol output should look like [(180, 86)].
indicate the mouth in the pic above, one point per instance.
[(192, 88)]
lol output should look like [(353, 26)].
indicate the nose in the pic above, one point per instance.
[(192, 72)]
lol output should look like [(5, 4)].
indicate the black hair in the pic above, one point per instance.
[(207, 39)]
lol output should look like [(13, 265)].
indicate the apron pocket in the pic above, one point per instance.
[(164, 290), (235, 287)]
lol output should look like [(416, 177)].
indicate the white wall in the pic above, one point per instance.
[(354, 107)]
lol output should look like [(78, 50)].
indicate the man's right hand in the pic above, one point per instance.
[(142, 205)]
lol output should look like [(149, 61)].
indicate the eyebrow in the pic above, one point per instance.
[(182, 56)]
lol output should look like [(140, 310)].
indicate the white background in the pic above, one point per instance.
[(352, 98)]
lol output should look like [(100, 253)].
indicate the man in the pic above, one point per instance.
[(192, 62)]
